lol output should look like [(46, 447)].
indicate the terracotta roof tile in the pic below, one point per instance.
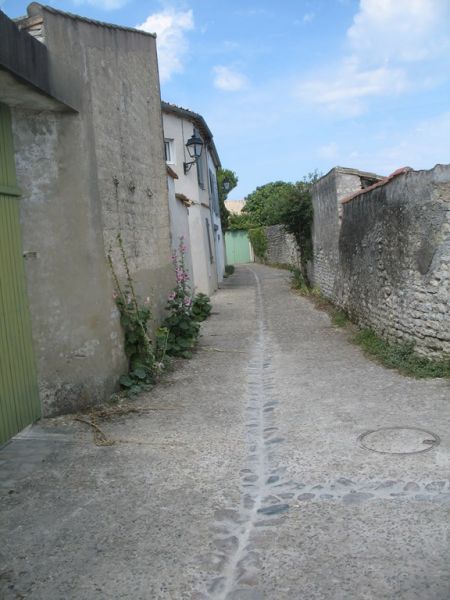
[(378, 184)]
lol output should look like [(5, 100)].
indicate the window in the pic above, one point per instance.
[(214, 199), (169, 151), (208, 235), (200, 173), (200, 163)]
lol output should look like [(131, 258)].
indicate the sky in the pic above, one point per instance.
[(291, 86)]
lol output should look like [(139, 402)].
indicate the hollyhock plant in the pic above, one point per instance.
[(181, 324)]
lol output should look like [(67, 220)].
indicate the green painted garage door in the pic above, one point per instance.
[(238, 247), (19, 399)]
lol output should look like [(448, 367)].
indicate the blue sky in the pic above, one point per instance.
[(296, 85)]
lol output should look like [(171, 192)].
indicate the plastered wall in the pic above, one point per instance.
[(86, 176)]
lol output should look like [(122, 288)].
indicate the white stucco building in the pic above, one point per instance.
[(195, 186)]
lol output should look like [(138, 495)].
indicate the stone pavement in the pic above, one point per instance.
[(245, 475)]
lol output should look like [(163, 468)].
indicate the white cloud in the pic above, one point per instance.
[(345, 91), (308, 17), (400, 30), (389, 41), (170, 27), (228, 79)]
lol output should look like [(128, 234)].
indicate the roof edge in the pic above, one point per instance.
[(35, 9), (190, 115), (351, 171), (383, 182)]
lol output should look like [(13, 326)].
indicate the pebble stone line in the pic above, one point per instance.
[(237, 558), (266, 496)]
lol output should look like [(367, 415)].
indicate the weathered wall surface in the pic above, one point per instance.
[(390, 266), (281, 247), (122, 100), (85, 177), (327, 195), (77, 336)]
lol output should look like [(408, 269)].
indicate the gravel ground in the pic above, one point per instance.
[(242, 475)]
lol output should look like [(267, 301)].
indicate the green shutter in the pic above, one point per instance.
[(19, 397)]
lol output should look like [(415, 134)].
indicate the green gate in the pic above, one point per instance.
[(238, 247), (19, 397)]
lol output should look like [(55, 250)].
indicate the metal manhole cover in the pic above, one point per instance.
[(399, 440)]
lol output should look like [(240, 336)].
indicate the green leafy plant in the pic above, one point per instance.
[(201, 307), (182, 327), (393, 355), (258, 240), (298, 281), (339, 318), (229, 270), (135, 318), (400, 356), (226, 181), (262, 206), (283, 203), (241, 222)]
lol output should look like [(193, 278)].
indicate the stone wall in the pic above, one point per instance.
[(328, 193), (281, 247), (388, 263), (85, 176)]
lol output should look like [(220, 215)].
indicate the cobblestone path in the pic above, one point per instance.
[(278, 464)]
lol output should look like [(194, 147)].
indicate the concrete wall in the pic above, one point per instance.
[(86, 176), (281, 247), (391, 267)]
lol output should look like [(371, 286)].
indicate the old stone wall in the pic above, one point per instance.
[(86, 176), (281, 247), (388, 264), (325, 234), (328, 193)]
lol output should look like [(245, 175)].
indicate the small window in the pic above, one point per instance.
[(213, 195), (208, 235), (169, 151), (200, 173)]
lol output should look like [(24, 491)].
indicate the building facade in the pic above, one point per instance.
[(80, 102), (196, 184)]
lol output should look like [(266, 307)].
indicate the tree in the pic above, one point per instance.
[(296, 214), (242, 221), (226, 181), (288, 204), (264, 204)]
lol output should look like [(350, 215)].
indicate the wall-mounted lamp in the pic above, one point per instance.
[(194, 146)]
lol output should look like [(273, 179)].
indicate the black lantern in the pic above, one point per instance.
[(194, 146)]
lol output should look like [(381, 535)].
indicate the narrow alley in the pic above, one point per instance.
[(245, 474)]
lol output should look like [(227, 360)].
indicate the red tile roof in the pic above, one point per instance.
[(378, 184)]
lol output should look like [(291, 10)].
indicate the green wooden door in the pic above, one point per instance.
[(19, 399), (238, 247)]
